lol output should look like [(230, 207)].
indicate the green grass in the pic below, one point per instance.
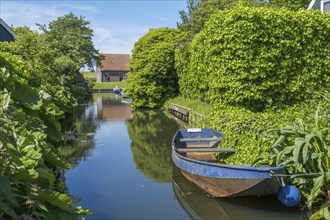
[(199, 115), (89, 75), (195, 105), (103, 85), (110, 85)]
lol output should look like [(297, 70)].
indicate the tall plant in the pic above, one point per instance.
[(304, 148)]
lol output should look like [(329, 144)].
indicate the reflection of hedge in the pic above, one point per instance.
[(151, 134), (257, 57), (153, 79)]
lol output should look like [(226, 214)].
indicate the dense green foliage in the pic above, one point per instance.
[(38, 55), (200, 11), (257, 58), (71, 37), (35, 107), (152, 78), (56, 55), (29, 123)]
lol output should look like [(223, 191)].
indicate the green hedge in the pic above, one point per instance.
[(257, 58), (152, 78)]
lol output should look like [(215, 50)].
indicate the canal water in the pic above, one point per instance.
[(122, 169)]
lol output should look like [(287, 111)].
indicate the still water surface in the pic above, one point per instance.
[(124, 170)]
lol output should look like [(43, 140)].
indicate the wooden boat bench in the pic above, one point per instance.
[(199, 139), (204, 149)]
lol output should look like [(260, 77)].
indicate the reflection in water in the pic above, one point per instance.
[(123, 170), (103, 107), (81, 142), (112, 109), (151, 134), (109, 183), (200, 205)]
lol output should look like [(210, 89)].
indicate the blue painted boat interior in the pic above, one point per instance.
[(204, 133), (213, 169)]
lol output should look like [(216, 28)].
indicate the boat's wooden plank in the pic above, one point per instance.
[(204, 149), (198, 139)]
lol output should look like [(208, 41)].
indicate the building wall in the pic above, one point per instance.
[(5, 35), (113, 76)]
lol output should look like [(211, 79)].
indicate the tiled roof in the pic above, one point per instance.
[(115, 62)]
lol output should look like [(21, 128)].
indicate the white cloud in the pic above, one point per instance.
[(86, 8), (117, 38), (111, 34), (29, 13), (21, 14)]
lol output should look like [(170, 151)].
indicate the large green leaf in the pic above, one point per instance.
[(46, 177), (316, 190), (54, 159), (298, 146), (57, 199), (6, 100), (6, 191), (28, 97)]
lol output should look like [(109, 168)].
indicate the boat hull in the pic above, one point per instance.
[(198, 164), (223, 187), (229, 181)]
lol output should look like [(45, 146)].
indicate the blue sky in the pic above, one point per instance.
[(117, 24)]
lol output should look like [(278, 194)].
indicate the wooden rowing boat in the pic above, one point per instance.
[(194, 153)]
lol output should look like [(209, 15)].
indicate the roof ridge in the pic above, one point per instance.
[(3, 23)]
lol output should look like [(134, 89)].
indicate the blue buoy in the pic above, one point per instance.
[(289, 195)]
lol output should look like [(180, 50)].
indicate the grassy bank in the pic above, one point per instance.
[(110, 85), (103, 85), (90, 76), (198, 108)]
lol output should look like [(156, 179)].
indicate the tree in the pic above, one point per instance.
[(153, 79), (70, 35), (70, 38), (200, 11), (37, 53), (290, 4), (192, 5)]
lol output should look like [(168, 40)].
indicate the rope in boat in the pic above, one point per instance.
[(298, 175)]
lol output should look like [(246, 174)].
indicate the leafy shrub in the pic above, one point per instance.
[(29, 162), (152, 78), (246, 131), (304, 148), (257, 58)]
